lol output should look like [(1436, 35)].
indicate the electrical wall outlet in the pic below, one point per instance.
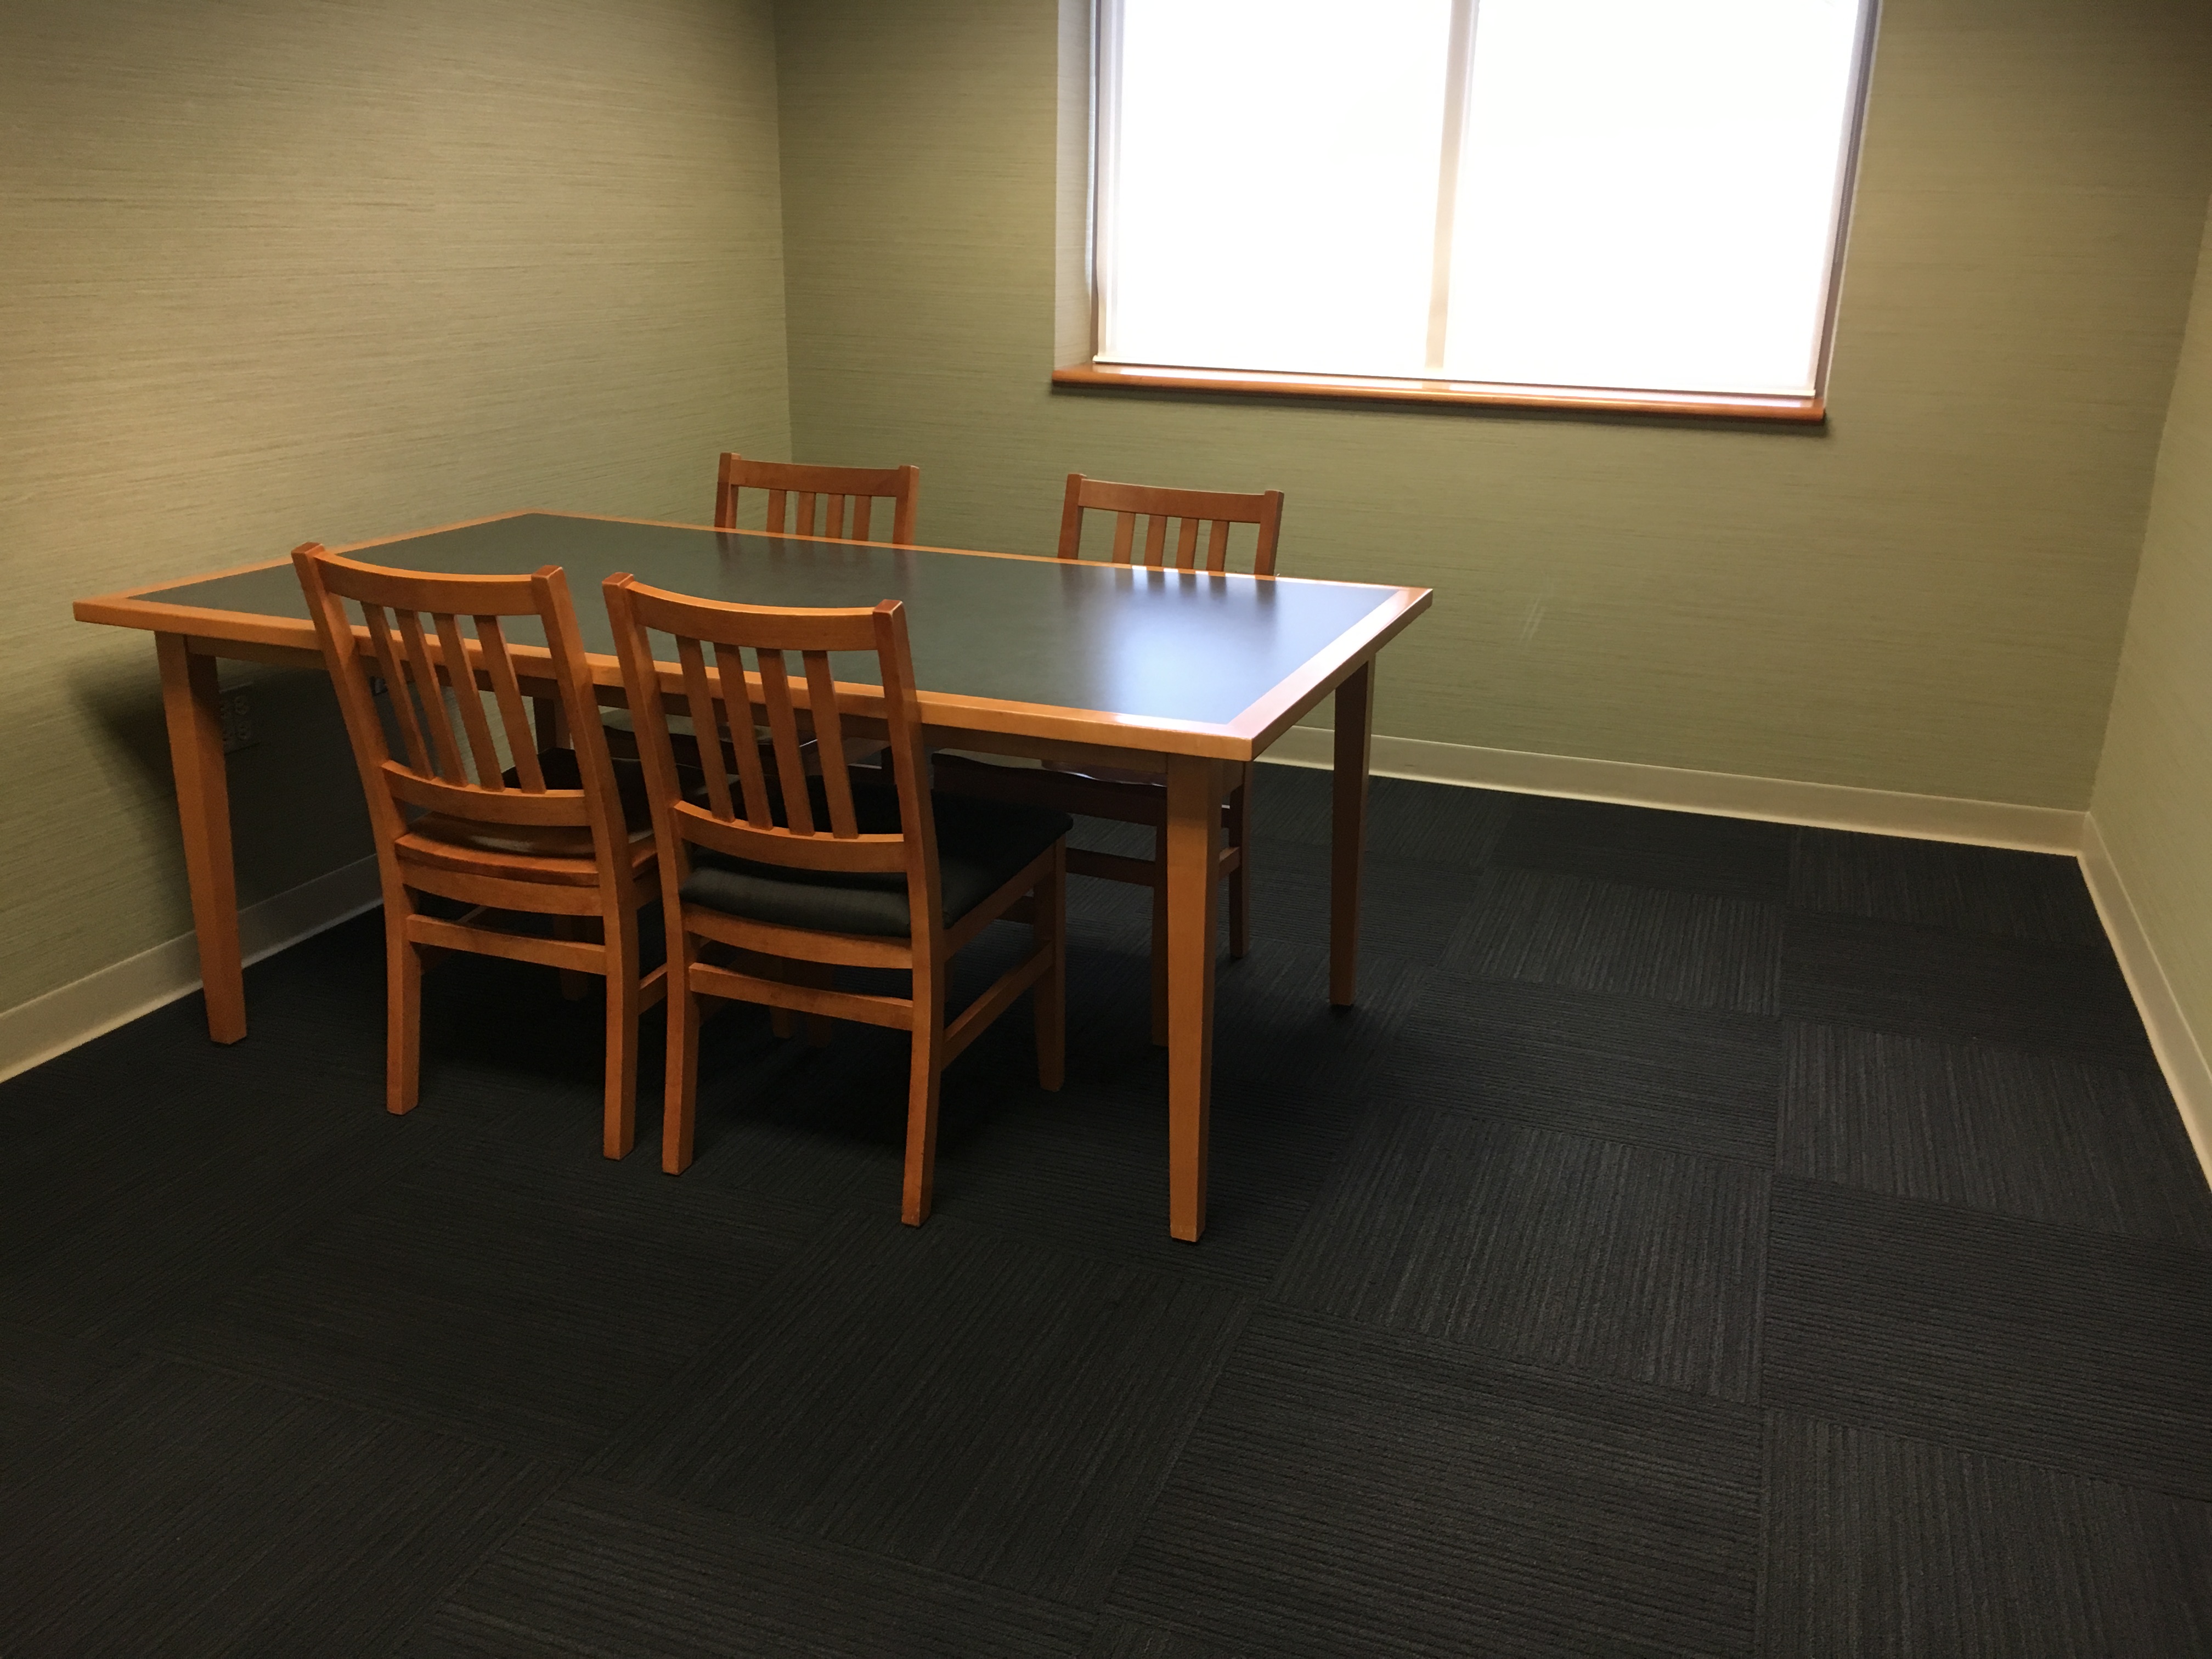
[(237, 707)]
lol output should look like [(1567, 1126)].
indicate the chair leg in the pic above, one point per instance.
[(1159, 946), (681, 1097), (403, 1009), (820, 976), (575, 983), (781, 1021), (925, 1071), (619, 1131), (1049, 925), (1240, 878)]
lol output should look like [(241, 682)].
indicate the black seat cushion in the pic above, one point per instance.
[(980, 845)]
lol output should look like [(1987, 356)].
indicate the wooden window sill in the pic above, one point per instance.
[(1472, 394)]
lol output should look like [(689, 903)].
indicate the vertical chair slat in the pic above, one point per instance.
[(482, 749), (507, 692), (700, 708), (395, 679), (829, 743), (849, 494), (783, 732), (1219, 509), (1156, 540), (433, 699), (738, 714)]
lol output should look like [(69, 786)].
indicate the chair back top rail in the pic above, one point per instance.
[(724, 694), (1157, 509), (411, 636), (835, 485)]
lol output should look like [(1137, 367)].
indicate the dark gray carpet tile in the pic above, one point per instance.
[(155, 1107), (1846, 970), (1935, 883), (181, 1512), (1585, 1255), (1619, 1068), (1433, 823), (40, 1365), (521, 1299), (166, 1242), (957, 1400), (828, 1125), (1352, 1492), (615, 1574), (1696, 950), (1126, 1639), (2087, 1352), (2044, 1135), (1735, 858), (1132, 840), (1884, 1548), (1084, 1169), (1403, 907)]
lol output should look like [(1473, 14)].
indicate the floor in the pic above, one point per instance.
[(1706, 1237)]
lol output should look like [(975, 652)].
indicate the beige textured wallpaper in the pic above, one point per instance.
[(1928, 596), (2154, 796), (289, 269)]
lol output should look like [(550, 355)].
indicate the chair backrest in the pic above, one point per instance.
[(414, 639), (1216, 509), (834, 485), (721, 697)]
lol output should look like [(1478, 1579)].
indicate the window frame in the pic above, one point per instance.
[(1805, 409)]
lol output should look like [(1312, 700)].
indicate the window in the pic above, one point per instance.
[(1625, 201)]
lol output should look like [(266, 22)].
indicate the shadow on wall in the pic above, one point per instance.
[(295, 805)]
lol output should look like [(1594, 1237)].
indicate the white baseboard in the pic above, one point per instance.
[(2179, 1054), (89, 1007), (1727, 795)]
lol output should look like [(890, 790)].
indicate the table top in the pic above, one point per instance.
[(1165, 650)]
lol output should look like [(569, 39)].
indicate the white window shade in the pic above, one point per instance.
[(1269, 200), (1641, 194)]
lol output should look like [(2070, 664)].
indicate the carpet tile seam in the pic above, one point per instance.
[(564, 1464), (1455, 1351), (803, 1539), (2069, 1230), (2058, 1471), (1764, 1166), (2087, 1235)]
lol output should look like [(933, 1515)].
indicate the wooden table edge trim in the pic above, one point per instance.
[(1305, 686), (1239, 739), (122, 595)]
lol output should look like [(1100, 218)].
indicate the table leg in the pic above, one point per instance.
[(1355, 724), (1194, 858), (193, 705)]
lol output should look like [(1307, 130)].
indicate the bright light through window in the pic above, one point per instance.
[(1602, 193)]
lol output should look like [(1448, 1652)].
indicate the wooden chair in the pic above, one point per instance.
[(838, 485), (1136, 796), (837, 488), (1133, 504), (790, 874), (551, 835)]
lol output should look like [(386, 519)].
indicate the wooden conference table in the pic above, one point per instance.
[(1178, 672)]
